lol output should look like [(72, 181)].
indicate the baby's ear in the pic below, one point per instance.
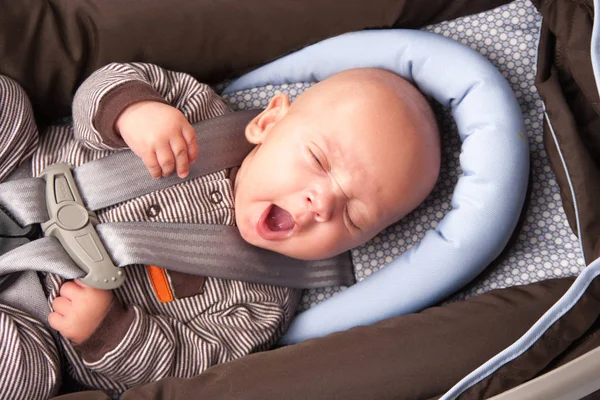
[(258, 129)]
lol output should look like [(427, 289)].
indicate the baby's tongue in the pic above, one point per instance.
[(279, 219)]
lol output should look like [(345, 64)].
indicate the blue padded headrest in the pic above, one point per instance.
[(488, 197)]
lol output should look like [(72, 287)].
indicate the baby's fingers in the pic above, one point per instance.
[(180, 150), (56, 321), (152, 164), (62, 305), (189, 134), (166, 160)]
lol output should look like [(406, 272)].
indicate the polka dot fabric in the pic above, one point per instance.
[(545, 246)]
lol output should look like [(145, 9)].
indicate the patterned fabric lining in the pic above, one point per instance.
[(546, 246)]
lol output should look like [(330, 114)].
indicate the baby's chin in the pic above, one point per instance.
[(299, 251)]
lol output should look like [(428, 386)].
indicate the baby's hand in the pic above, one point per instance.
[(79, 310), (160, 135)]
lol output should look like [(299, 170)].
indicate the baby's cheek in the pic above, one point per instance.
[(326, 243), (244, 230)]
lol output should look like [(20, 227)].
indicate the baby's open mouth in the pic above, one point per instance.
[(275, 223)]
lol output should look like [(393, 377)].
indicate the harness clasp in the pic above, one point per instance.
[(73, 225)]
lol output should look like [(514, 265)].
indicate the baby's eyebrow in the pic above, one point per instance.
[(337, 160)]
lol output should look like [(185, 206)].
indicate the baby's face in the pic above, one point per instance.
[(328, 173)]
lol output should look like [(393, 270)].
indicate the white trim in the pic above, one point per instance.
[(564, 163)]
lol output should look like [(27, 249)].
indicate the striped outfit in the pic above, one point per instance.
[(208, 321), (29, 360)]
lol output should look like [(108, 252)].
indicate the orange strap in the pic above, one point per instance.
[(160, 283)]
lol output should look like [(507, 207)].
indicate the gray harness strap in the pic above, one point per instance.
[(122, 176), (189, 248), (25, 200), (211, 250), (44, 255), (26, 294), (218, 251)]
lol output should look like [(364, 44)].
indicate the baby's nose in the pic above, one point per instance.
[(321, 204)]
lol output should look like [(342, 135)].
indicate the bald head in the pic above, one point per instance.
[(399, 127)]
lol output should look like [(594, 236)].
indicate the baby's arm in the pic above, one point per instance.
[(18, 134), (30, 365), (146, 108), (161, 346)]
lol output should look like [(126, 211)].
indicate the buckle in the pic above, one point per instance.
[(73, 225)]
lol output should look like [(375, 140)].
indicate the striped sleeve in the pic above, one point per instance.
[(107, 92), (18, 134), (158, 346), (30, 367)]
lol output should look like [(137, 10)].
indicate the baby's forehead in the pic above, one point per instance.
[(359, 161)]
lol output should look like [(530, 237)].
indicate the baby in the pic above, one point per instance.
[(350, 156)]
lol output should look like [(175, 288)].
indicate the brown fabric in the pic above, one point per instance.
[(186, 285), (593, 396), (51, 46), (566, 83), (416, 356), (588, 342), (109, 333), (556, 341), (115, 102), (86, 395)]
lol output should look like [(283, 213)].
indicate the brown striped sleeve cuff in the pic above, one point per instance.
[(109, 333), (114, 102)]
